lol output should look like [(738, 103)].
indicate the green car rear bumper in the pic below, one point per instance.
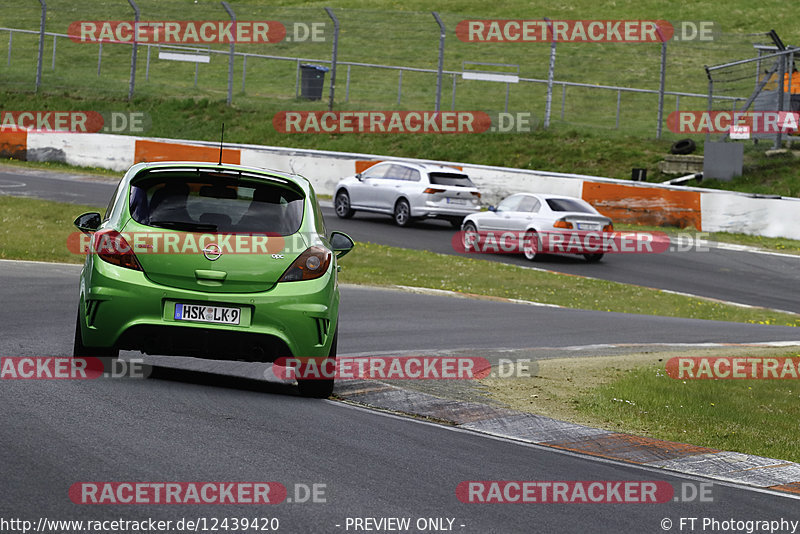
[(124, 309)]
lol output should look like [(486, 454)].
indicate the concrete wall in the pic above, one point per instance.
[(622, 200)]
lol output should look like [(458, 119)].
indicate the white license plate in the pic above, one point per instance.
[(585, 226), (207, 314), (456, 201)]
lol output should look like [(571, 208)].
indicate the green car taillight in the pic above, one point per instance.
[(112, 248), (311, 264)]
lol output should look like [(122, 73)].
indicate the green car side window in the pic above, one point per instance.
[(112, 203)]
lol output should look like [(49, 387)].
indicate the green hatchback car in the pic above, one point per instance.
[(214, 261)]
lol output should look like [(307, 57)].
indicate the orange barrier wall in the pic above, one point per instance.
[(645, 205), (159, 151), (13, 144)]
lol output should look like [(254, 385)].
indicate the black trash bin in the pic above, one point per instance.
[(311, 82)]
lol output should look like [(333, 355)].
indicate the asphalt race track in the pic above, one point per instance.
[(713, 273), (771, 279), (367, 464), (59, 432), (41, 298)]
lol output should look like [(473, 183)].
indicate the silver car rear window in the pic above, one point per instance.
[(450, 178), (566, 204)]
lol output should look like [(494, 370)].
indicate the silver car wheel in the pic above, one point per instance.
[(531, 245), (470, 237), (342, 205), (402, 213)]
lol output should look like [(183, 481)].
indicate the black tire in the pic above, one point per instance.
[(531, 246), (402, 212), (320, 389), (683, 146), (341, 204), (593, 258), (469, 242), (79, 350), (455, 222)]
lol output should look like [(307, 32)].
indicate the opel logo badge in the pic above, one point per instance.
[(212, 252)]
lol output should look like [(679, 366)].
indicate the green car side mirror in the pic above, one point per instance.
[(88, 222), (341, 243)]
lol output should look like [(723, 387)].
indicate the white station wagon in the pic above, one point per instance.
[(408, 191)]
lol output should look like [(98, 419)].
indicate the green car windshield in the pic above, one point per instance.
[(209, 204)]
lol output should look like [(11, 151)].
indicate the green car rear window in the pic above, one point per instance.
[(206, 204)]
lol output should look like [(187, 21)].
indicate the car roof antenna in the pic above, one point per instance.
[(221, 137)]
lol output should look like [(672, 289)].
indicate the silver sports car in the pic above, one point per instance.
[(538, 223)]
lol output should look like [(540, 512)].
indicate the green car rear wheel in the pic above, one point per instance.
[(319, 389)]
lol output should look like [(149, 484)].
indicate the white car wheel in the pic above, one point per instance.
[(530, 246)]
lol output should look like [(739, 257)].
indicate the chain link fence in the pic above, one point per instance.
[(771, 83), (385, 60)]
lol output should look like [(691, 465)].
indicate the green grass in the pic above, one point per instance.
[(32, 229), (630, 392), (773, 175), (383, 265), (779, 244), (560, 149), (756, 416)]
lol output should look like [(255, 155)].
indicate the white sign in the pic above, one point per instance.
[(740, 132)]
